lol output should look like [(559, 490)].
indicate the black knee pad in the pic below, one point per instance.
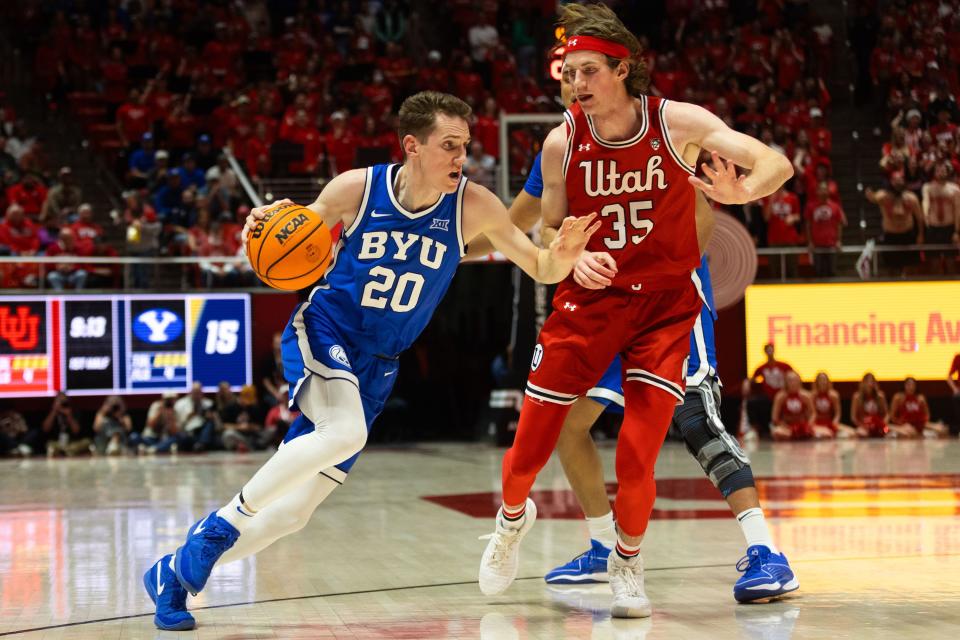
[(719, 454)]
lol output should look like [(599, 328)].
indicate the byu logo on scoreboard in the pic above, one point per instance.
[(157, 326)]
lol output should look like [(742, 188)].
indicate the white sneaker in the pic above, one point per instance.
[(626, 582), (501, 558)]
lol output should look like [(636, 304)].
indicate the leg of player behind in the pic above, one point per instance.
[(617, 155)]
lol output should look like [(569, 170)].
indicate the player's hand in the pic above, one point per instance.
[(595, 270), (256, 215), (572, 237), (725, 186)]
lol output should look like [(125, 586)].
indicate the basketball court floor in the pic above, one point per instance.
[(871, 528)]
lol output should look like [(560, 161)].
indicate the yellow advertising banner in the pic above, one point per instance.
[(894, 329)]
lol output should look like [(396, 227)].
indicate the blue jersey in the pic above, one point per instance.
[(703, 348), (391, 267), (534, 184)]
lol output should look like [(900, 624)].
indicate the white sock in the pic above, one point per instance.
[(603, 530), (285, 516), (755, 530), (237, 512)]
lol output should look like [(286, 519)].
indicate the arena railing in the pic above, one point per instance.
[(184, 273)]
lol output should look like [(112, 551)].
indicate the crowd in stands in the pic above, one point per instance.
[(312, 89), (913, 68), (778, 405)]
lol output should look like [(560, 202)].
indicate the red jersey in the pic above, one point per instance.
[(639, 189), (912, 411), (793, 410), (823, 406), (772, 376), (825, 220)]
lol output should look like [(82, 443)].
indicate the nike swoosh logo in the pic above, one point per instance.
[(200, 526), (379, 215), (159, 583), (389, 373)]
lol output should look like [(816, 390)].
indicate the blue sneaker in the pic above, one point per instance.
[(765, 575), (206, 542), (169, 596), (589, 566)]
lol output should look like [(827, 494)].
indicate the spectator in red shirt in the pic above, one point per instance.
[(819, 172), (378, 95), (256, 154), (751, 115), (825, 218), (781, 211), (771, 377), (19, 236), (821, 140), (487, 128), (302, 132), (67, 273), (85, 229), (944, 130), (340, 144), (434, 76), (133, 118), (30, 194), (467, 83)]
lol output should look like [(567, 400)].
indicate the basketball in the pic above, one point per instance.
[(290, 248)]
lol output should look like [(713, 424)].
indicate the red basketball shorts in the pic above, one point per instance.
[(650, 330)]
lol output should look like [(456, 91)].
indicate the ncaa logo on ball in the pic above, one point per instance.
[(338, 354), (288, 229), (537, 357)]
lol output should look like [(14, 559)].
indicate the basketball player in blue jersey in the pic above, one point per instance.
[(766, 572), (405, 229)]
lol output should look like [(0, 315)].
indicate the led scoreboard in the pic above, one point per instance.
[(94, 345)]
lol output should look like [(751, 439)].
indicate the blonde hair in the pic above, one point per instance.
[(418, 113), (599, 21)]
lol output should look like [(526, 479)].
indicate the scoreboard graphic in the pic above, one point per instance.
[(94, 345)]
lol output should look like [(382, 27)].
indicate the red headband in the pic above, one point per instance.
[(590, 43)]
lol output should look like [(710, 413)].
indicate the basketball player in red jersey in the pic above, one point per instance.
[(826, 407), (910, 414), (792, 412), (630, 158), (868, 409)]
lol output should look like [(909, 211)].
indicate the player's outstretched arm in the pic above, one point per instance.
[(483, 213), (338, 202), (524, 214), (693, 125)]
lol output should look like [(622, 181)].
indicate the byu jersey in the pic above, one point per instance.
[(391, 267), (703, 348)]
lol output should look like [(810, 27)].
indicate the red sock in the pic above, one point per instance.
[(537, 433), (645, 423)]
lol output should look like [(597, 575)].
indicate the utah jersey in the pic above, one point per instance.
[(391, 267), (640, 191)]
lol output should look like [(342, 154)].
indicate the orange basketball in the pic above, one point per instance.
[(290, 248)]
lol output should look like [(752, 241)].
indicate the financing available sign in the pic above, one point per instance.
[(894, 329)]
